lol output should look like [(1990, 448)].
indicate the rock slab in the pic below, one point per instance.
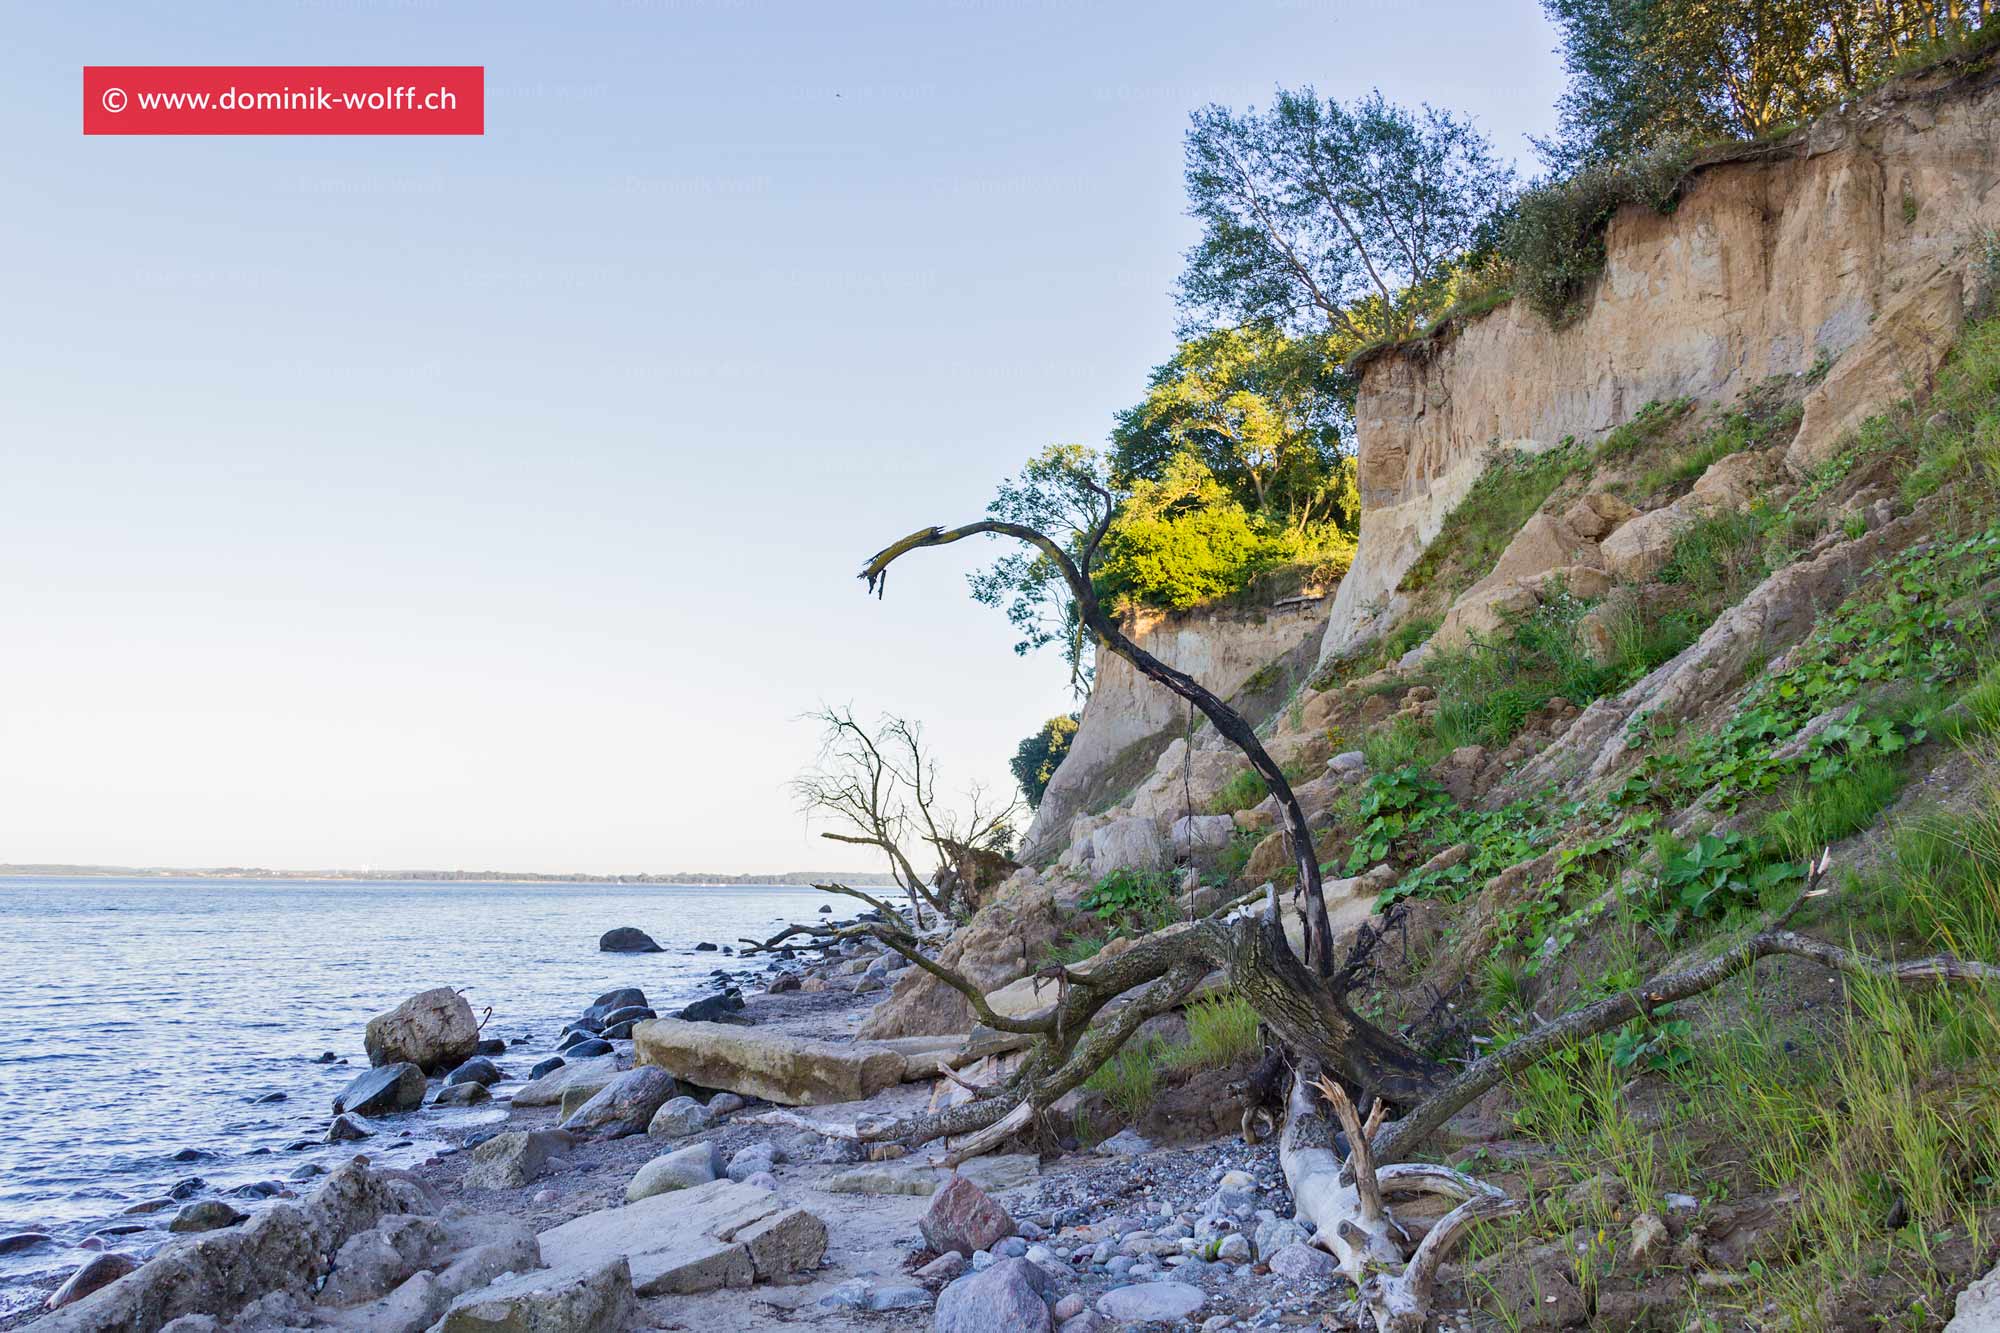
[(597, 1299), (717, 1235), (791, 1071)]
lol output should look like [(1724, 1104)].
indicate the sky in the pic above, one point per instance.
[(496, 502)]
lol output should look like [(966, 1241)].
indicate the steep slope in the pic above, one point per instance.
[(1858, 241)]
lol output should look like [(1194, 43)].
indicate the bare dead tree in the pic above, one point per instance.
[(1305, 1003), (881, 787)]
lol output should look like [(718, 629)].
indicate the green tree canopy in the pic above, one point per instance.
[(1646, 74), (1263, 412), (1336, 219), (1061, 493), (1036, 758)]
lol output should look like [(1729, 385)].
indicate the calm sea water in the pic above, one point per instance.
[(141, 1017)]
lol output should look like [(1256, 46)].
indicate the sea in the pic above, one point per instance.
[(143, 1019)]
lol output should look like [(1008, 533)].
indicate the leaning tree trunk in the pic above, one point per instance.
[(1301, 999)]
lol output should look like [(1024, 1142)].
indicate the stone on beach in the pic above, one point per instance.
[(509, 1161), (625, 1105), (678, 1118), (685, 1168), (350, 1128), (1005, 1297), (205, 1215), (791, 1071), (286, 1248), (96, 1272), (596, 1299), (1299, 1262), (1150, 1302), (397, 1087), (714, 1235), (592, 1073), (433, 1030), (478, 1069), (462, 1094), (961, 1217)]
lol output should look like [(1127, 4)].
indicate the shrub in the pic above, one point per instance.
[(1555, 238), (1239, 793), (1478, 529), (1139, 900)]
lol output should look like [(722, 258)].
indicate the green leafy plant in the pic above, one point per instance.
[(1138, 900)]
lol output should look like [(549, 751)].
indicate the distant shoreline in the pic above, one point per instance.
[(784, 879)]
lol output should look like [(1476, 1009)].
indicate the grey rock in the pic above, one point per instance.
[(350, 1128), (462, 1094), (1151, 1302), (205, 1215), (548, 1066), (1274, 1234), (943, 1268), (1234, 1249), (625, 1105), (1303, 1263), (1125, 1143), (627, 939), (396, 1087), (714, 1235), (677, 1118), (478, 1070), (751, 1160), (1003, 1298), (722, 1103), (697, 1164), (561, 1300), (22, 1241), (762, 1180), (509, 1161), (1013, 1247)]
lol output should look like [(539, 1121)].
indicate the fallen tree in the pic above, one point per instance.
[(1305, 1003)]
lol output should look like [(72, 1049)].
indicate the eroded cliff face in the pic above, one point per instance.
[(1252, 657), (1853, 247)]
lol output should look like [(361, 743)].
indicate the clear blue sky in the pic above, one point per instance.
[(496, 502)]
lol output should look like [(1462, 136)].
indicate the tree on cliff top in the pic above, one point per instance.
[(1337, 219), (1036, 759), (1264, 413), (1649, 73)]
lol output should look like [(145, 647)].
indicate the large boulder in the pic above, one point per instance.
[(792, 1071), (433, 1030), (595, 1299), (285, 1249), (717, 1235), (1198, 837), (625, 1105), (1128, 844), (627, 939), (1006, 1297), (397, 1087), (962, 1217)]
